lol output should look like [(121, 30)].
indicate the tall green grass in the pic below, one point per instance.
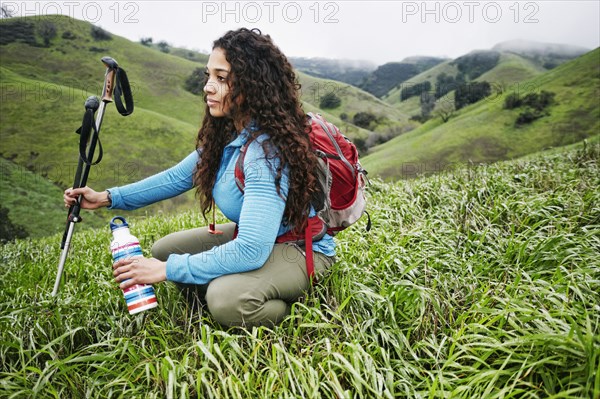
[(480, 283)]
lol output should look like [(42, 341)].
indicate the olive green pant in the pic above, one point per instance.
[(258, 297)]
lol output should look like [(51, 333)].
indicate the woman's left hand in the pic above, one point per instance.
[(139, 270)]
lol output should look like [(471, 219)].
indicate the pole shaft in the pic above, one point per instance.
[(63, 258)]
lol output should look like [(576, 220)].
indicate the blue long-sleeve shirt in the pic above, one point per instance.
[(258, 211)]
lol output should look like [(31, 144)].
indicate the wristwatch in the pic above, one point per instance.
[(109, 197)]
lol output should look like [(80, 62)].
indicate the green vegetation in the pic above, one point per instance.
[(444, 84), (100, 34), (47, 30), (164, 46), (8, 230), (195, 82), (330, 100), (547, 55), (34, 203), (485, 132), (535, 103), (409, 91), (477, 283), (476, 63), (387, 76), (364, 119), (407, 107), (393, 74), (427, 102), (470, 93), (538, 101), (510, 69), (19, 31), (44, 90)]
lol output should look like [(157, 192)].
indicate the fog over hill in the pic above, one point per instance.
[(341, 64), (343, 70), (528, 47)]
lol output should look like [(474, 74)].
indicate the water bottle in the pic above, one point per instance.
[(138, 297)]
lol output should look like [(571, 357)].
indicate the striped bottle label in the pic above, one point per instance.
[(138, 297), (127, 251)]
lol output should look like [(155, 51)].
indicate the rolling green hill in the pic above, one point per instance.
[(34, 202), (387, 76), (546, 55), (485, 132), (44, 88), (511, 69), (518, 61), (411, 106)]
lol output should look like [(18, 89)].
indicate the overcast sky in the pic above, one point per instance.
[(376, 31)]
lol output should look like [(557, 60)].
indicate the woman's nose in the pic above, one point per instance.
[(210, 88)]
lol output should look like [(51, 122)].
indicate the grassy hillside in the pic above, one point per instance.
[(34, 202), (511, 68), (480, 283), (547, 55), (388, 75), (411, 106), (485, 132), (44, 89)]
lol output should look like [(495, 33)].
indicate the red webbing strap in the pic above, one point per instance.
[(310, 263), (212, 229), (308, 251)]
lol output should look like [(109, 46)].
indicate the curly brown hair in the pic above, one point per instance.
[(263, 89)]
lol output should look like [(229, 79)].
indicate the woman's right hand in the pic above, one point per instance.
[(90, 199)]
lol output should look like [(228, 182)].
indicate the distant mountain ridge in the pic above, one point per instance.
[(379, 80), (548, 55), (529, 47), (348, 71), (391, 74)]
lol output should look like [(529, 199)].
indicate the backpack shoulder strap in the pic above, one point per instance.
[(239, 168)]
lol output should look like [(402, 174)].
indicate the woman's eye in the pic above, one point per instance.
[(221, 78)]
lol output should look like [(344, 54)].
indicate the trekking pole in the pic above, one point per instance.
[(89, 138)]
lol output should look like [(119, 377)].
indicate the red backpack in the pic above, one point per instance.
[(342, 181)]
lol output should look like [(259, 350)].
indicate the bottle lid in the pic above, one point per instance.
[(114, 225)]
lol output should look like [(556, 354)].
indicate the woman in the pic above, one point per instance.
[(242, 275)]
